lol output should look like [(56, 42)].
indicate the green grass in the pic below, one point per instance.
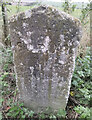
[(76, 13), (12, 9), (0, 9)]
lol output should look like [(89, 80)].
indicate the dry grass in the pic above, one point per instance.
[(85, 40)]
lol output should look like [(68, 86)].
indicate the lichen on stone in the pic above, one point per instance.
[(44, 42)]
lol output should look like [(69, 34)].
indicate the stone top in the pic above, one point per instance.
[(50, 23)]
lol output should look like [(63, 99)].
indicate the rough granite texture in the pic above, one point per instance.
[(44, 41)]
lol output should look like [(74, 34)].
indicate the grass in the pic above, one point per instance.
[(12, 9), (76, 13)]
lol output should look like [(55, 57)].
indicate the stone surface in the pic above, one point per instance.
[(44, 41)]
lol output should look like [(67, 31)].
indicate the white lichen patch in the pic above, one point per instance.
[(19, 33), (61, 62), (27, 42), (24, 40), (39, 66), (76, 43), (53, 25), (62, 37), (35, 50), (29, 33), (46, 30), (46, 44), (27, 14), (25, 25), (30, 47), (69, 43), (63, 48), (32, 69), (21, 63)]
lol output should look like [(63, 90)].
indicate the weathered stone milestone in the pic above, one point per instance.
[(44, 41)]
